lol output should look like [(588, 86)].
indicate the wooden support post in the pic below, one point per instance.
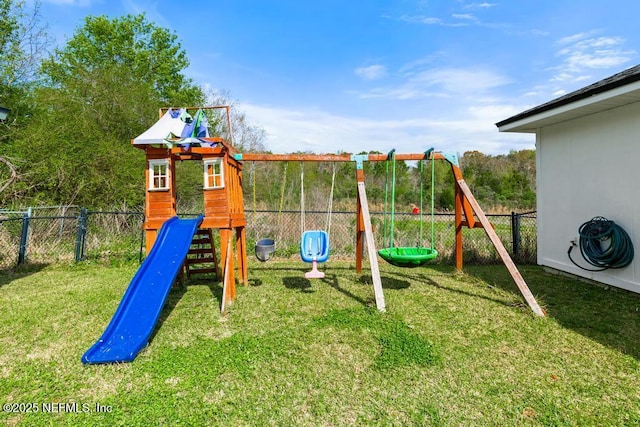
[(241, 247), (359, 235), (464, 206), (216, 261), (150, 239), (371, 246), (506, 259), (228, 276), (458, 223), (468, 213)]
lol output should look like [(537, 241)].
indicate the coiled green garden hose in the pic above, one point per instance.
[(604, 244)]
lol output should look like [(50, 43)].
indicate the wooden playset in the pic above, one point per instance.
[(224, 206), (222, 195)]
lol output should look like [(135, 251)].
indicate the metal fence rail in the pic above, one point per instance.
[(72, 234)]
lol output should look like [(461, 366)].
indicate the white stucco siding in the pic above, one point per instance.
[(589, 167)]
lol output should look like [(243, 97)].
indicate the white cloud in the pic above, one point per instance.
[(323, 132), (460, 80), (583, 52), (459, 19), (430, 20), (539, 32), (421, 63), (484, 5), (421, 19), (151, 10), (574, 38), (465, 16), (79, 3), (440, 82), (584, 57), (372, 72)]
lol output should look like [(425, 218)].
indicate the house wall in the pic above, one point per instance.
[(589, 167)]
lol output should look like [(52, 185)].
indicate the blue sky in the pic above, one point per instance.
[(329, 76)]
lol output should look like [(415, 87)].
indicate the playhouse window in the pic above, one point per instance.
[(213, 174), (159, 174)]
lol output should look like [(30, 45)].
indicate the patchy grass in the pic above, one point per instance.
[(453, 349)]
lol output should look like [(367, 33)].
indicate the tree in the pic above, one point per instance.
[(100, 90), (503, 180), (247, 136), (152, 54), (23, 41)]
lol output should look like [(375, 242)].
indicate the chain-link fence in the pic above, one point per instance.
[(45, 235), (516, 230), (65, 234)]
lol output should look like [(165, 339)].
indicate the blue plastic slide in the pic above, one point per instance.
[(138, 312)]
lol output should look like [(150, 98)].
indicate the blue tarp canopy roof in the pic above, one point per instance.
[(177, 127)]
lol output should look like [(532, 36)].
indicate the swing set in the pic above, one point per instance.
[(314, 244)]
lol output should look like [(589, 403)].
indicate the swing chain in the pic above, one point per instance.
[(327, 226), (388, 226), (252, 173), (284, 185), (330, 207), (302, 209)]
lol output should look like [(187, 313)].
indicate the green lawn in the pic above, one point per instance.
[(453, 349)]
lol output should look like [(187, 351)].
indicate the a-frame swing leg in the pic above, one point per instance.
[(371, 247), (506, 259), (359, 236)]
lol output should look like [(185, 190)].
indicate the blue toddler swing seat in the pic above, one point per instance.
[(314, 248), (314, 244)]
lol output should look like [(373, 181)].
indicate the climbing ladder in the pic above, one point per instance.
[(201, 258)]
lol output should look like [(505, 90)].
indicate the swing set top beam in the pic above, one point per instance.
[(346, 157)]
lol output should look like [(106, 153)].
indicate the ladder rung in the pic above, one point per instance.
[(201, 256), (200, 259), (201, 251), (201, 271), (200, 240)]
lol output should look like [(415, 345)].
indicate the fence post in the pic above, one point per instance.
[(515, 233), (24, 236), (142, 236), (64, 212), (82, 234)]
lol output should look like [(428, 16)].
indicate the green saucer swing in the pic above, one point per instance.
[(407, 256)]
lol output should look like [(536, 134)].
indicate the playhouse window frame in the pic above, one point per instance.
[(213, 174), (159, 175)]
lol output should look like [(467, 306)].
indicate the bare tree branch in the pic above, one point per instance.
[(12, 171)]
